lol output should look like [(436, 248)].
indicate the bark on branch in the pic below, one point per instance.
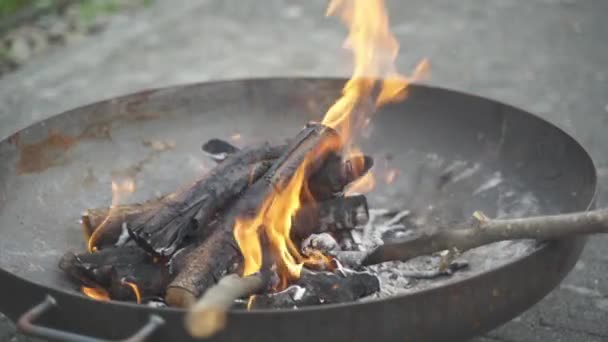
[(485, 231)]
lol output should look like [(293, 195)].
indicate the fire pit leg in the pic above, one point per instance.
[(26, 325)]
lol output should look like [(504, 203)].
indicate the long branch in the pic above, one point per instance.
[(485, 231)]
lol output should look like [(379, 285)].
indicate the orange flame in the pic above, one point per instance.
[(274, 219), (374, 82), (120, 190), (96, 293)]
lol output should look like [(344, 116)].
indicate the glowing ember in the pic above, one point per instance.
[(374, 82), (135, 290), (120, 190), (250, 302), (96, 293)]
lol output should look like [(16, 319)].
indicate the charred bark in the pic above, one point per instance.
[(138, 282), (331, 179), (96, 269), (219, 150), (160, 225)]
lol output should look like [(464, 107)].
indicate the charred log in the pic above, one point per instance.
[(95, 269), (331, 179), (219, 150), (160, 225), (161, 231), (138, 282), (334, 215), (336, 174), (210, 261)]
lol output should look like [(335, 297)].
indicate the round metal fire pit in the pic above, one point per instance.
[(53, 170)]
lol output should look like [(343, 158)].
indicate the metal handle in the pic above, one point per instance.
[(26, 325)]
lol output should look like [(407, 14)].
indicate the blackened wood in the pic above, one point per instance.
[(336, 174), (334, 215), (331, 179), (112, 231), (219, 150), (95, 269), (208, 263), (161, 231), (160, 225), (317, 288), (150, 279)]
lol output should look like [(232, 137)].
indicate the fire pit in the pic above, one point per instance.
[(504, 162)]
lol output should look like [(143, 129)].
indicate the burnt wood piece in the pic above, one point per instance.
[(331, 179), (317, 288), (209, 262), (113, 232), (95, 269), (218, 149), (138, 282), (160, 225), (336, 174), (334, 215)]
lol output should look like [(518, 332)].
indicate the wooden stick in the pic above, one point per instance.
[(208, 315), (485, 231)]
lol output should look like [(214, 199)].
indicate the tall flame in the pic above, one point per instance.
[(375, 50), (274, 218), (120, 190), (374, 82)]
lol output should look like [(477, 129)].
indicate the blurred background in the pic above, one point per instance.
[(549, 57)]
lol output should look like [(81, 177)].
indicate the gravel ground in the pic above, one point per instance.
[(547, 56)]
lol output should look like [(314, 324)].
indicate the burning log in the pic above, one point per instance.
[(336, 174), (485, 231), (160, 225), (207, 263), (331, 179)]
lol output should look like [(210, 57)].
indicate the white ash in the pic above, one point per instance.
[(491, 183), (426, 271), (124, 236), (298, 293), (323, 242)]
